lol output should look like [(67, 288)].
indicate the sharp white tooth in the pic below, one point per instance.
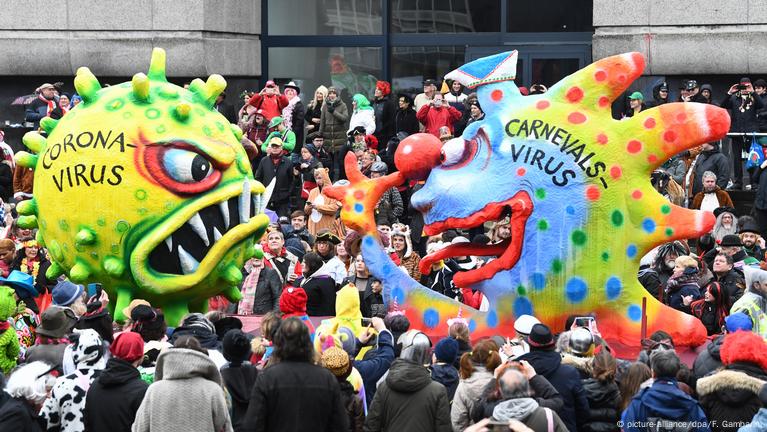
[(198, 227), (245, 202), (267, 195), (169, 243), (216, 235), (256, 203), (224, 207), (188, 263)]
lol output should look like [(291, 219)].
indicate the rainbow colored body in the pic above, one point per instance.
[(146, 189), (576, 181)]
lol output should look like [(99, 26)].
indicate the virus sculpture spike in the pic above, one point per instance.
[(147, 190), (575, 183)]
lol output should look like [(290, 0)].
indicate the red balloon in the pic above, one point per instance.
[(417, 154)]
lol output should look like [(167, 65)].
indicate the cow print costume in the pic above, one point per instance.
[(63, 410)]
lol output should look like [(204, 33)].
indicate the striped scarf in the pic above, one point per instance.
[(249, 290)]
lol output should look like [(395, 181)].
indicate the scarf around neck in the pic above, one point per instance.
[(51, 104), (249, 291)]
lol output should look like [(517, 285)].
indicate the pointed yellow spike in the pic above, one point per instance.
[(87, 85), (48, 124), (39, 238), (27, 160), (197, 86), (80, 272), (157, 65), (214, 86), (236, 131), (27, 222), (182, 111), (34, 141), (113, 266), (27, 207), (232, 274), (54, 271), (232, 294), (141, 87), (85, 236)]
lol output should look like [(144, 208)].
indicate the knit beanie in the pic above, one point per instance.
[(744, 347), (738, 321), (236, 346), (128, 346), (446, 350), (336, 361), (293, 302)]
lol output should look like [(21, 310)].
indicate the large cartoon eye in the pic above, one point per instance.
[(180, 168), (457, 152)]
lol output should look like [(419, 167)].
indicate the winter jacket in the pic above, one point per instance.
[(408, 400), (760, 201), (283, 172), (446, 375), (272, 105), (604, 399), (567, 381), (733, 282), (758, 423), (390, 208), (52, 354), (376, 363), (18, 415), (467, 395), (321, 294), (189, 376), (650, 280), (708, 360), (730, 396), (6, 181), (384, 116), (334, 122), (405, 120), (527, 411), (714, 161), (23, 181), (743, 121), (581, 364), (288, 138), (675, 295), (372, 304), (542, 391), (755, 306), (363, 116), (434, 118), (721, 196), (239, 380), (355, 409), (297, 125), (36, 111), (663, 400), (295, 396), (114, 398), (285, 264), (268, 289)]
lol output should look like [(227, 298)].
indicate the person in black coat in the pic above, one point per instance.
[(295, 394), (115, 396), (564, 378), (602, 394), (384, 113), (6, 179), (26, 391), (279, 167), (266, 297), (743, 105), (239, 376), (710, 159), (405, 119), (297, 114), (319, 286), (226, 109)]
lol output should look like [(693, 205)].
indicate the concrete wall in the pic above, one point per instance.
[(685, 36), (115, 38)]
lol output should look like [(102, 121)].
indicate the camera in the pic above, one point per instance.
[(741, 87)]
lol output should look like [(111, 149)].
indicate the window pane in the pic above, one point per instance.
[(550, 16), (412, 65), (445, 16), (550, 71), (324, 17), (350, 70)]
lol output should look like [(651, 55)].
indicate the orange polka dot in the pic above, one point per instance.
[(681, 117), (634, 147), (600, 75), (602, 139), (649, 123), (637, 194), (496, 95), (521, 172), (621, 78), (592, 193), (616, 172), (576, 117), (669, 136), (358, 194), (542, 104), (652, 159), (575, 94), (604, 101)]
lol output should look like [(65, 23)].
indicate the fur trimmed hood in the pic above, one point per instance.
[(583, 364), (727, 380)]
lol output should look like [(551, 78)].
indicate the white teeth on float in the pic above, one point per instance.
[(224, 207), (257, 202), (169, 243), (267, 195), (216, 235), (199, 228), (245, 202), (187, 261)]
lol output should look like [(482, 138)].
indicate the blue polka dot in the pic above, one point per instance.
[(522, 306), (369, 241), (358, 207), (538, 280), (631, 251), (570, 210), (576, 290), (648, 225), (492, 319), (398, 294), (613, 287), (472, 325), (431, 317), (635, 313)]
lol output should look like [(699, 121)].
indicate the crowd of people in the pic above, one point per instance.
[(69, 366)]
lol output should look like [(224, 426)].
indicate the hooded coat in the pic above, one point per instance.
[(567, 381), (467, 395), (446, 375), (731, 395), (191, 377), (363, 116), (18, 415), (114, 398), (709, 359), (376, 363), (543, 393), (527, 411), (604, 399), (408, 400), (663, 400), (334, 123)]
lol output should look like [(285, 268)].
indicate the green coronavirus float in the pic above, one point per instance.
[(146, 189)]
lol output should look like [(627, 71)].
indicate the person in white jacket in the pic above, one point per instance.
[(362, 114)]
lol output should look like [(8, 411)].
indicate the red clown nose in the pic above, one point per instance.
[(417, 155)]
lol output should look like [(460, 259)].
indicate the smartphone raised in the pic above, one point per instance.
[(94, 290), (584, 321)]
